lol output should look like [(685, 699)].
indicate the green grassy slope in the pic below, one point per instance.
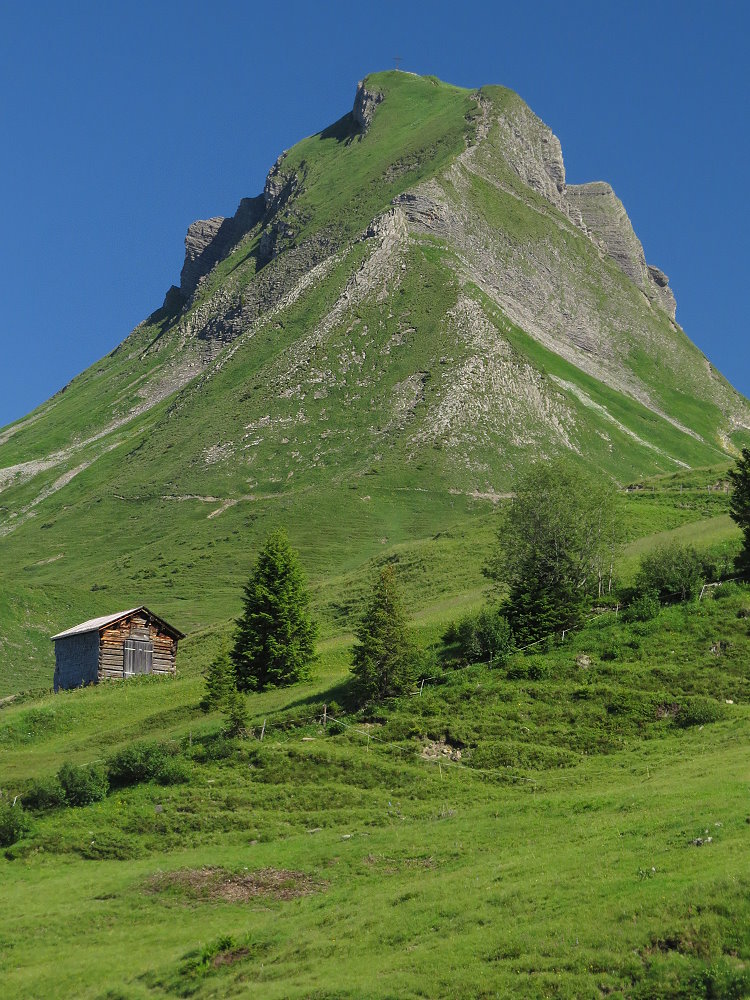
[(376, 409), (557, 857)]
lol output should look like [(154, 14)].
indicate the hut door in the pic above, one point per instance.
[(138, 656)]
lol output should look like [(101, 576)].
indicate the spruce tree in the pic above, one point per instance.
[(275, 637), (234, 708), (383, 658), (221, 681)]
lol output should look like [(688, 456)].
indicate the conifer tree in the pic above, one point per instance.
[(275, 638), (235, 712), (383, 658), (221, 681)]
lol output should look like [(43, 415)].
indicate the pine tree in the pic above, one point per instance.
[(220, 680), (384, 657), (275, 638), (235, 712)]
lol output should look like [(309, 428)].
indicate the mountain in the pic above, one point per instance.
[(415, 306)]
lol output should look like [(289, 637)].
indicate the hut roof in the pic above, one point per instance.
[(94, 624)]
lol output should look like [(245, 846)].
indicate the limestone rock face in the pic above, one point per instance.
[(665, 295), (209, 240), (598, 210), (607, 223), (278, 184), (200, 236), (365, 102), (533, 151)]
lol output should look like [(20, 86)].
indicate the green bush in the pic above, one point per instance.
[(671, 571), (530, 668), (82, 785), (13, 823), (482, 636), (45, 793), (136, 763), (643, 608), (698, 712), (724, 590), (174, 771)]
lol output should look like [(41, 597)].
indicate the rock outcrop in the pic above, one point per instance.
[(533, 151), (365, 102), (209, 240), (607, 223), (660, 286), (598, 210)]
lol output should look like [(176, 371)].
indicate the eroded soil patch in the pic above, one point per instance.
[(213, 883)]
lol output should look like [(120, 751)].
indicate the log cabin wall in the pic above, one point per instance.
[(75, 661), (113, 638)]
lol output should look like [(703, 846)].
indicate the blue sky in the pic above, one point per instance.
[(122, 123)]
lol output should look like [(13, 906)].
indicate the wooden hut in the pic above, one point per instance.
[(115, 647)]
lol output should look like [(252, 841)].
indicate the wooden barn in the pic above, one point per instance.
[(115, 647)]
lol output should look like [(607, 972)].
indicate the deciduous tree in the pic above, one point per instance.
[(555, 547), (739, 506)]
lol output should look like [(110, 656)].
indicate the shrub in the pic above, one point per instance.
[(45, 793), (82, 785), (728, 589), (698, 712), (528, 669), (13, 823), (718, 563), (671, 570), (136, 763), (173, 771), (484, 635), (644, 608)]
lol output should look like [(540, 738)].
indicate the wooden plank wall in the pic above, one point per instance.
[(113, 638)]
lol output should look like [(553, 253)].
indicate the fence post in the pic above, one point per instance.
[(263, 731), (325, 715)]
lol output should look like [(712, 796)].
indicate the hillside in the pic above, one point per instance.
[(415, 306), (573, 825)]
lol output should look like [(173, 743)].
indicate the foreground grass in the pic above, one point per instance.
[(558, 857)]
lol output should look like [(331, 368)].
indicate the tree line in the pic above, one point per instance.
[(554, 558)]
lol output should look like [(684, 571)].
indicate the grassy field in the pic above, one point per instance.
[(537, 830)]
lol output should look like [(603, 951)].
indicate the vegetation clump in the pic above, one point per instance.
[(643, 608), (82, 785), (44, 793), (482, 636), (14, 823), (275, 638), (141, 762), (698, 711), (671, 571), (739, 506)]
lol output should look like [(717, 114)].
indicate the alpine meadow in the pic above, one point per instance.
[(453, 516)]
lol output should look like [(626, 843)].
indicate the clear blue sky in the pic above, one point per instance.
[(120, 123)]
